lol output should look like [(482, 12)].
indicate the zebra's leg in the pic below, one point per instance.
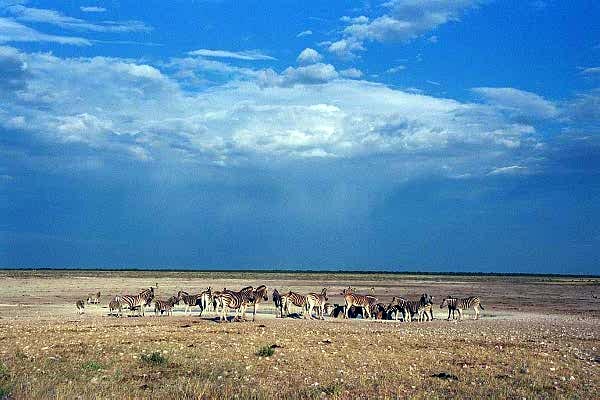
[(459, 313), (367, 311), (450, 311), (254, 313), (476, 312), (322, 311), (346, 308)]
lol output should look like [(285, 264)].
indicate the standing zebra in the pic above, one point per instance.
[(259, 294), (316, 300), (358, 300), (292, 298), (204, 300), (422, 307), (278, 302), (462, 304), (141, 300), (165, 306), (80, 306), (190, 300), (115, 305), (94, 298), (235, 300)]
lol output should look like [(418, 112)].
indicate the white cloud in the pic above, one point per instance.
[(304, 33), (352, 73), (433, 39), (123, 108), (92, 9), (511, 170), (404, 20), (250, 55), (313, 74), (309, 56), (12, 31), (345, 48), (396, 69), (591, 71), (519, 102), (356, 20), (40, 15)]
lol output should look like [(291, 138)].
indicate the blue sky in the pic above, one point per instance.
[(403, 134)]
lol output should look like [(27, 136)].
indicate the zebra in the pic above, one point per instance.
[(358, 300), (236, 300), (165, 306), (278, 302), (216, 300), (259, 294), (190, 300), (316, 300), (204, 299), (422, 307), (462, 304), (141, 300), (115, 305), (292, 298), (94, 298), (80, 306)]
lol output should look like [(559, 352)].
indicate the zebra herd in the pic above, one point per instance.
[(223, 302)]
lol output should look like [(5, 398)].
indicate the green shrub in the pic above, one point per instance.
[(265, 351), (155, 358), (92, 366)]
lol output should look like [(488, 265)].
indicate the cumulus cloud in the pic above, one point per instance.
[(309, 56), (123, 108), (351, 73), (12, 31), (313, 74), (52, 17), (403, 20), (250, 55), (519, 102)]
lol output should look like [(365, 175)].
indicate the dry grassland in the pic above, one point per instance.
[(538, 338)]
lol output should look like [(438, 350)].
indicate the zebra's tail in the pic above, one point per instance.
[(481, 306)]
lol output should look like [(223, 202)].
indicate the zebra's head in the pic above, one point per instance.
[(346, 291), (262, 291), (445, 302), (324, 294), (426, 298)]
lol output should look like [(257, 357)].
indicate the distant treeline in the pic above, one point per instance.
[(304, 271)]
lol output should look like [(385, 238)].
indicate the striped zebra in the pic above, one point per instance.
[(165, 306), (358, 300), (189, 300), (94, 298), (115, 305), (80, 306), (205, 300), (260, 294), (316, 300), (217, 302), (422, 308), (292, 298), (277, 302), (141, 300), (462, 304), (235, 300)]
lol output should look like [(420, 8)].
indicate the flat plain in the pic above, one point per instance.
[(538, 337)]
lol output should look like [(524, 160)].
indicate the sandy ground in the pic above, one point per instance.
[(537, 338)]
